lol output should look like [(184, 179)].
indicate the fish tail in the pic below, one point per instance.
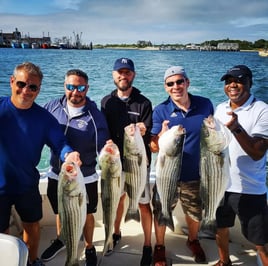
[(72, 263), (166, 220), (209, 225), (132, 214), (108, 248)]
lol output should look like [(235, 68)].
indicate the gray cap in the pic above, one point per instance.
[(175, 70)]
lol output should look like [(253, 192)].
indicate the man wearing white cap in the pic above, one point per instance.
[(189, 111)]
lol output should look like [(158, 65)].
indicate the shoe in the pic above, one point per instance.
[(55, 247), (160, 255), (37, 262), (116, 238), (221, 263), (198, 252), (91, 257), (146, 259)]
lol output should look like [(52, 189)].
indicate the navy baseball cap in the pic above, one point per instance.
[(124, 63), (239, 71)]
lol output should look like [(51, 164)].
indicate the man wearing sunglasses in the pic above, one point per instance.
[(188, 110), (26, 129), (86, 130), (246, 194)]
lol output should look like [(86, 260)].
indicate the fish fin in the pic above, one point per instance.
[(209, 226), (135, 215), (80, 199), (166, 220), (161, 159), (108, 247), (139, 159)]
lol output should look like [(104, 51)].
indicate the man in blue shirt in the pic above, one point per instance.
[(26, 128), (87, 131), (189, 111)]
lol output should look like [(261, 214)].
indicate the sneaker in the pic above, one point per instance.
[(116, 238), (146, 259), (198, 252), (160, 255), (91, 257), (37, 262), (221, 263), (55, 247)]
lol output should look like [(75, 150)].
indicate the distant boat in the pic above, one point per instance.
[(25, 45), (63, 45), (263, 53), (15, 44), (35, 45), (44, 45)]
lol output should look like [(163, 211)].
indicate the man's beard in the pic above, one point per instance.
[(124, 87)]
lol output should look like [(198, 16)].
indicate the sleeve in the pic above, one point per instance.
[(56, 139), (157, 122)]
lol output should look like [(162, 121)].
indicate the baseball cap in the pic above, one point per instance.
[(175, 70), (239, 71), (124, 63)]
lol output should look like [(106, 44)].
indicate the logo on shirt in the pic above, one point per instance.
[(81, 123), (133, 113), (173, 114)]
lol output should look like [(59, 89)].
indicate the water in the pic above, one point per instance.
[(203, 68)]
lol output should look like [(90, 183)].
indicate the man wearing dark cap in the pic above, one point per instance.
[(246, 194), (126, 105), (188, 110)]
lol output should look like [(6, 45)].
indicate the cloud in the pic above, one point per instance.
[(67, 4), (160, 21)]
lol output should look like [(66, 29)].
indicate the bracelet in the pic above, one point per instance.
[(237, 130)]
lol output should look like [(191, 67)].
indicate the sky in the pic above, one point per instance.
[(128, 21)]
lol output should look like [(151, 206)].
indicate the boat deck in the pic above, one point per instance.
[(128, 251)]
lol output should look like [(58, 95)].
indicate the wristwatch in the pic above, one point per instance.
[(238, 130)]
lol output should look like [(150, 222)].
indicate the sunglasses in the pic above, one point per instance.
[(80, 88), (178, 82), (236, 80), (32, 87)]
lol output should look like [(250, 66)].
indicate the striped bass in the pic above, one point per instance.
[(72, 209), (111, 169), (135, 168), (168, 166), (214, 162)]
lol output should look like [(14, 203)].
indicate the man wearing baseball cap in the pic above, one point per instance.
[(126, 105), (188, 110), (246, 193)]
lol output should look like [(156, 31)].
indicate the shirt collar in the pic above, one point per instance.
[(246, 106)]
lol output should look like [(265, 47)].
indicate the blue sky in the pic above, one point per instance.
[(121, 21)]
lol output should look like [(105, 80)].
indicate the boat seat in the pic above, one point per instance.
[(13, 251)]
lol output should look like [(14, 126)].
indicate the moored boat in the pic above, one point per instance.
[(35, 45), (15, 44), (25, 45), (263, 53)]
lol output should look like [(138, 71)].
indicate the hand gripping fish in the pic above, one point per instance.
[(135, 168), (111, 168), (72, 209), (214, 162), (168, 167)]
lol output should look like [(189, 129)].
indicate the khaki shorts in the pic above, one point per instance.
[(146, 195), (188, 194), (191, 202)]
